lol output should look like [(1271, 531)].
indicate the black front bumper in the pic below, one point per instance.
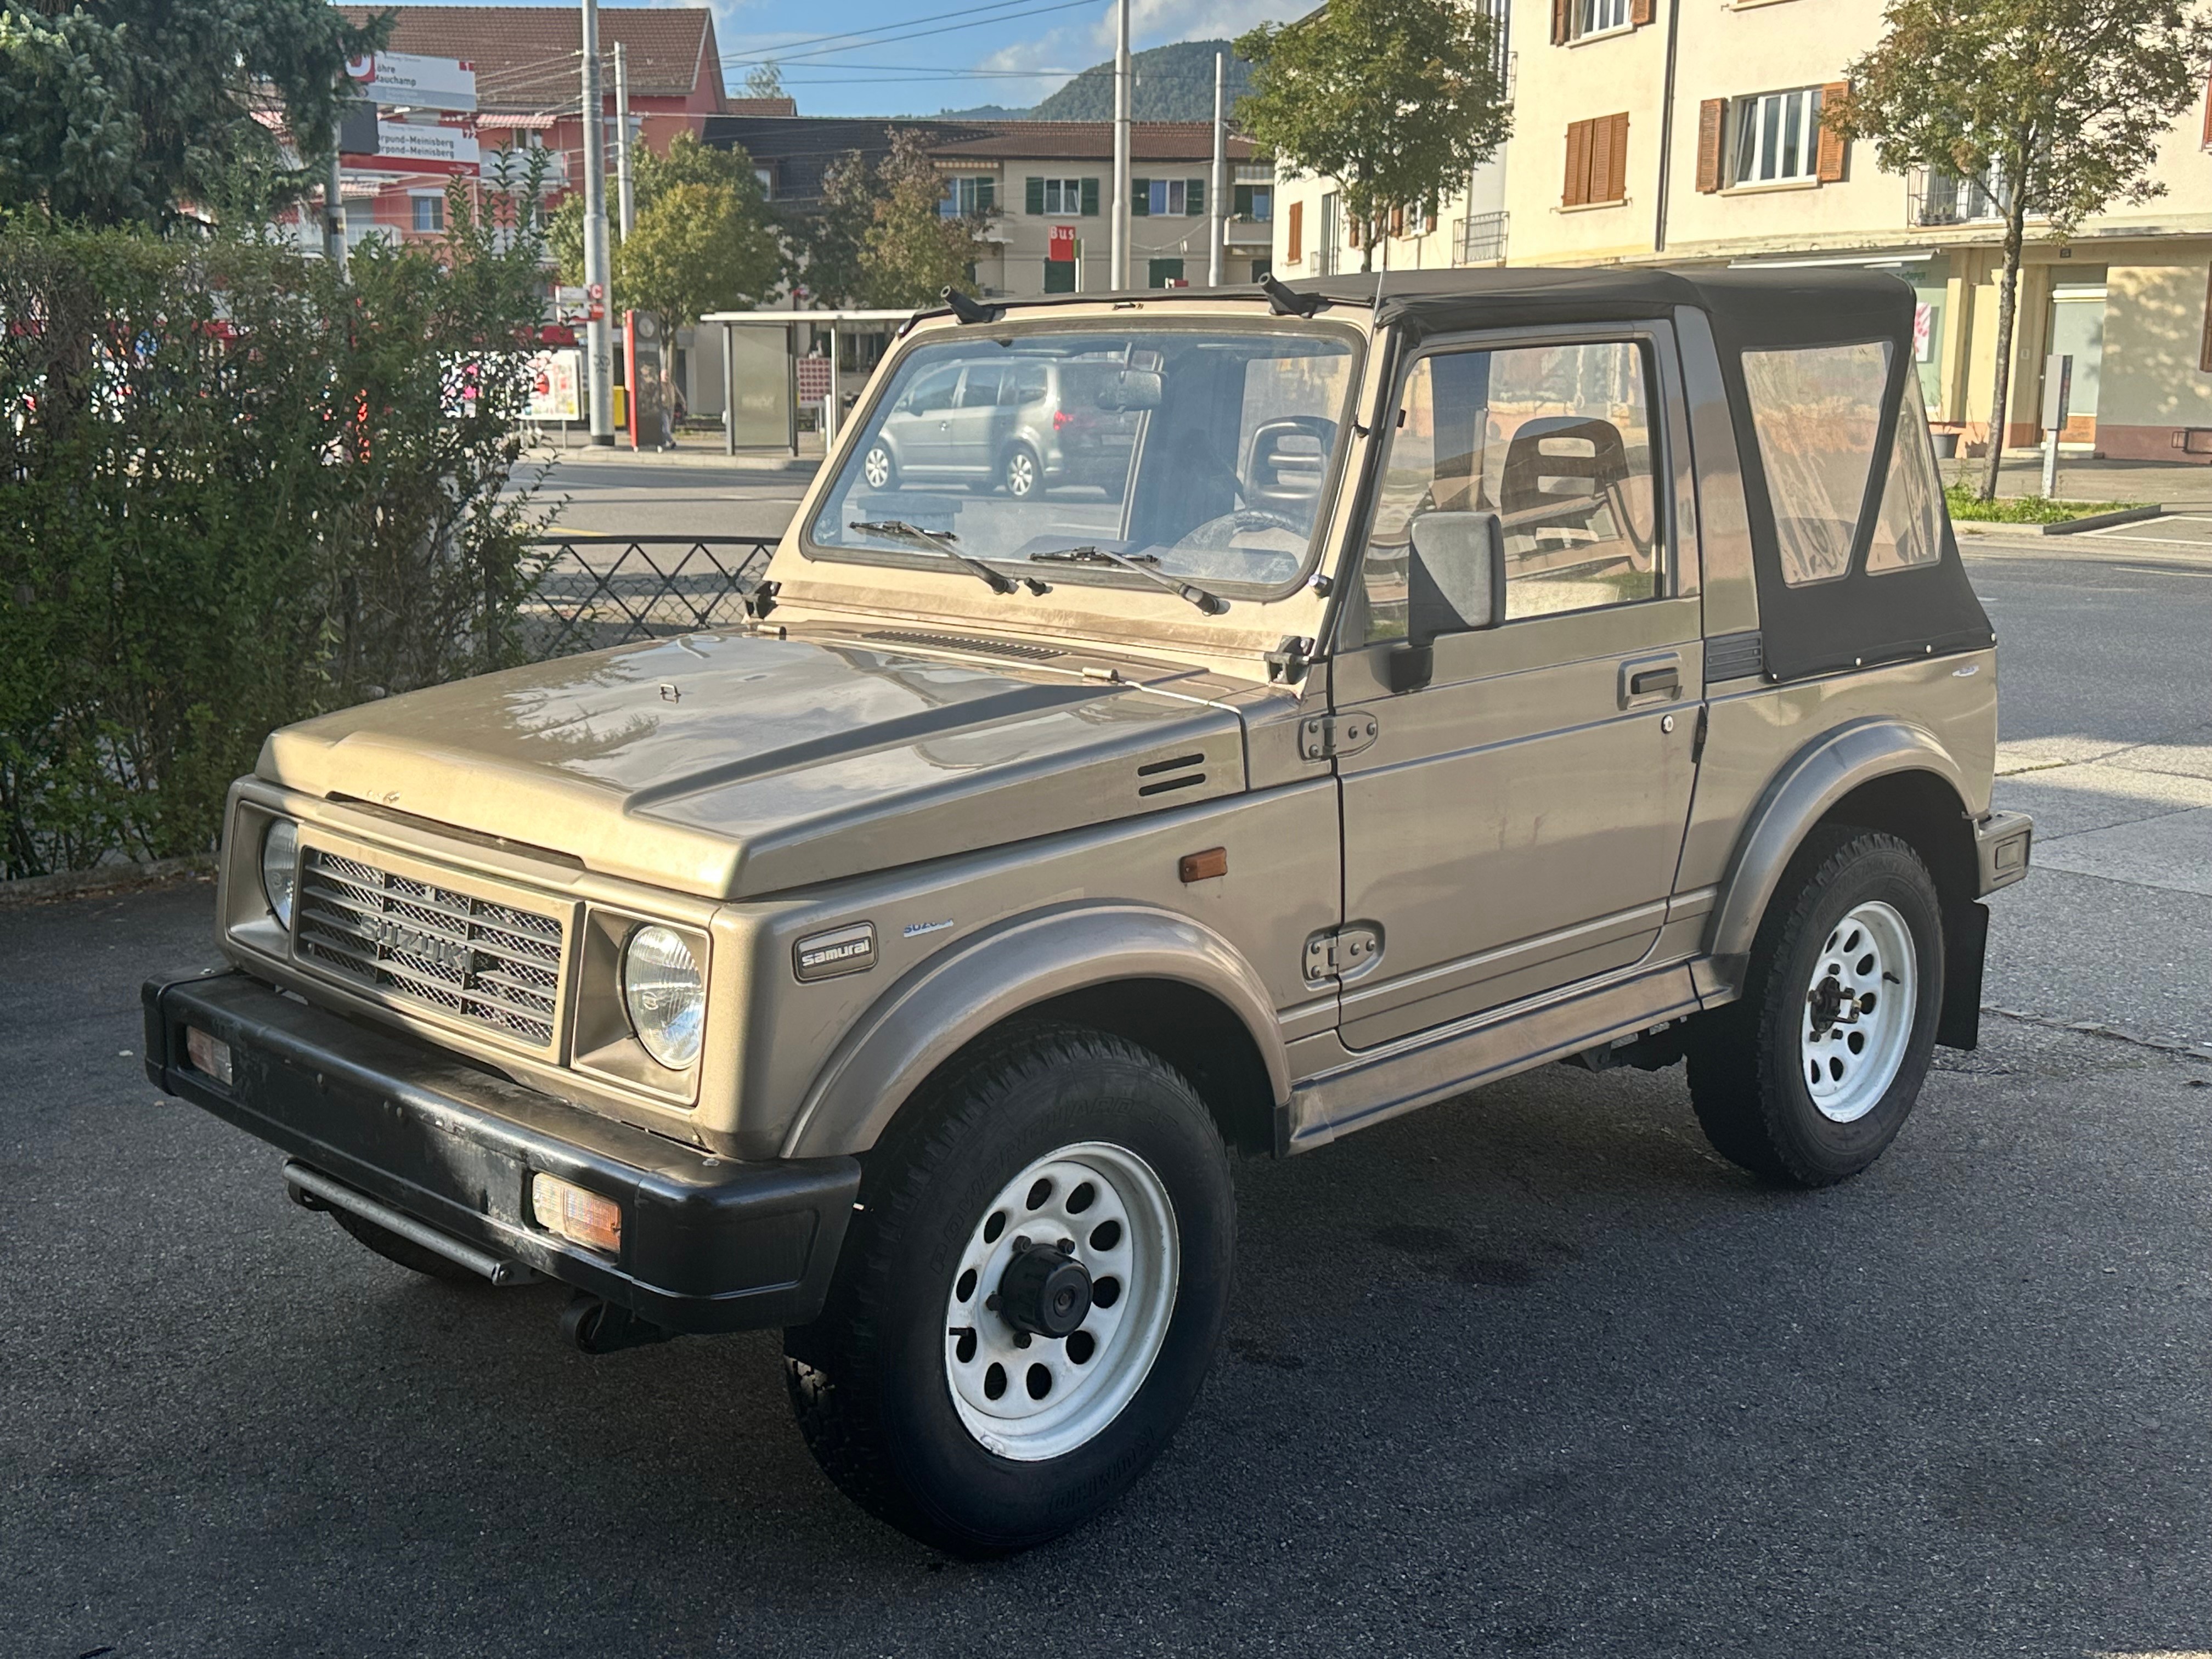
[(707, 1244)]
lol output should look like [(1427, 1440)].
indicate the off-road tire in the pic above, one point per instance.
[(1746, 1059), (868, 1380), (404, 1251)]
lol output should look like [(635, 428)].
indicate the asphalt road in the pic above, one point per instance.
[(1533, 1372)]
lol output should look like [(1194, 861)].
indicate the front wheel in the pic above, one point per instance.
[(1030, 1297), (1809, 1076)]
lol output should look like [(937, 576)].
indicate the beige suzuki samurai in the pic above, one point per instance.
[(1327, 700)]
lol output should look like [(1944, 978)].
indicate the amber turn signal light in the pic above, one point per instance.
[(583, 1218), (1203, 866)]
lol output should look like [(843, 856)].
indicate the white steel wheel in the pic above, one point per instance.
[(1859, 1011), (1061, 1302), (876, 467), (1020, 474)]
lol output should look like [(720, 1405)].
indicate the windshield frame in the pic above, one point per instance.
[(882, 383)]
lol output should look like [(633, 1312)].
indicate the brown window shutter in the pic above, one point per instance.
[(1639, 12), (1830, 167), (1561, 21), (1617, 181), (2208, 115), (2204, 347), (1577, 191), (1712, 124), (1600, 159), (1397, 221), (1353, 225), (1296, 249)]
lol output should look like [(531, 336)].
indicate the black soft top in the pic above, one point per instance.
[(1819, 628)]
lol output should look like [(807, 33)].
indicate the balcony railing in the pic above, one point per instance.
[(1942, 198), (1482, 239)]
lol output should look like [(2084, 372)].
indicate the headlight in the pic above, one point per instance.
[(280, 867), (665, 995)]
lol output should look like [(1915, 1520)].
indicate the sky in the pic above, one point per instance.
[(917, 57)]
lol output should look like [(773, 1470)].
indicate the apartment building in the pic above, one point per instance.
[(1688, 132), (1046, 191)]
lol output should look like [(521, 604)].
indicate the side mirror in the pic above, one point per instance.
[(1454, 584), (1131, 389)]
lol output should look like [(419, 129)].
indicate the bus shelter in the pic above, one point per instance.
[(760, 372)]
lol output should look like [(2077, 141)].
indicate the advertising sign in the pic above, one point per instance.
[(410, 80), (555, 387), (403, 147)]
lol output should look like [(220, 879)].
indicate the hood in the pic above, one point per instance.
[(730, 765)]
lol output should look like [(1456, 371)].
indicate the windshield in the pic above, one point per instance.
[(1195, 452)]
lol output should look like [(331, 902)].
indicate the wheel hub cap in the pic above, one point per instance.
[(1045, 1290)]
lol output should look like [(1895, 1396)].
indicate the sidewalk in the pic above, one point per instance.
[(2175, 487), (692, 449)]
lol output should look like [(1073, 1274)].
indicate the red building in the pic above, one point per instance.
[(528, 63)]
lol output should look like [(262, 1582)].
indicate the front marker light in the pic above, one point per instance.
[(583, 1218), (665, 995), (280, 867)]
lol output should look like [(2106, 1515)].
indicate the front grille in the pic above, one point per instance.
[(473, 958)]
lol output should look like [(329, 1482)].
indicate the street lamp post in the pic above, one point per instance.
[(1119, 274), (599, 347)]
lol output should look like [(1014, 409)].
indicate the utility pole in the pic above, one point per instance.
[(1118, 277), (334, 225), (1217, 221), (598, 353), (626, 206)]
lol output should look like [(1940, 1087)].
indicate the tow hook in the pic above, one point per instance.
[(598, 1326)]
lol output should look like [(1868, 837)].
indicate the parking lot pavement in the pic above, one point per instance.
[(1530, 1373)]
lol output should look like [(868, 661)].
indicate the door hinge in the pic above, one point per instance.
[(1343, 952), (1324, 737), (1698, 742)]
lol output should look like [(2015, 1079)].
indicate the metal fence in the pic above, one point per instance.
[(595, 592)]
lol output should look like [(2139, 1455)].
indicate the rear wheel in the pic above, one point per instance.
[(877, 468), (1809, 1076), (1019, 474), (1030, 1297)]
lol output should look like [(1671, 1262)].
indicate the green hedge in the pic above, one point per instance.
[(234, 493)]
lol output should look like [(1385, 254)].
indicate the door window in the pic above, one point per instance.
[(1557, 442), (933, 391), (982, 387), (1817, 410)]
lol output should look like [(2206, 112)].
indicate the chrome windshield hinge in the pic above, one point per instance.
[(1324, 737), (1343, 952)]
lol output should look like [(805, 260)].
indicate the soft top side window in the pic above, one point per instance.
[(1817, 410), (1908, 532), (1558, 440)]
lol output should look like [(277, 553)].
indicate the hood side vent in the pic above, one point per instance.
[(962, 642), (1162, 785)]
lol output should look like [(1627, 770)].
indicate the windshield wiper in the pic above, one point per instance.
[(941, 542), (1141, 564)]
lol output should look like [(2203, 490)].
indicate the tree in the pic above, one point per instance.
[(701, 241), (2056, 106), (828, 242), (912, 251), (131, 111), (764, 80), (1398, 101), (695, 249)]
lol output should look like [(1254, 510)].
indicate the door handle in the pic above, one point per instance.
[(1655, 678)]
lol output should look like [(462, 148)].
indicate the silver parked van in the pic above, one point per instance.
[(1420, 680)]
